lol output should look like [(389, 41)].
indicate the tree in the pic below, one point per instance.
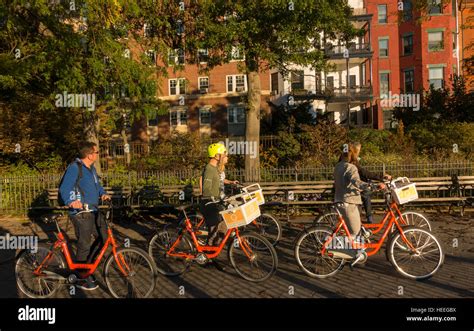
[(270, 34), (50, 49), (445, 105)]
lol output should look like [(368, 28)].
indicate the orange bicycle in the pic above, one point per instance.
[(128, 272), (176, 247), (265, 225), (322, 251)]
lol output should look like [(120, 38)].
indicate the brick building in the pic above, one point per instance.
[(466, 38), (397, 54), (409, 56), (211, 104)]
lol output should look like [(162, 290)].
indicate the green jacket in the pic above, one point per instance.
[(211, 182)]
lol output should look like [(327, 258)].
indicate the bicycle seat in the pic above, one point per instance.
[(51, 218), (338, 204), (183, 207)]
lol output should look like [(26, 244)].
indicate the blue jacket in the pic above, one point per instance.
[(91, 190)]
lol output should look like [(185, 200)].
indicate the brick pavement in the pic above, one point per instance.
[(376, 279)]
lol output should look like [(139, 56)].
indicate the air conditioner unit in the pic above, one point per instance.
[(240, 89), (204, 90)]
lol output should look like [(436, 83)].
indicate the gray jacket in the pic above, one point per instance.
[(347, 183)]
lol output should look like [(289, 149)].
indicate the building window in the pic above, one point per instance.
[(409, 76), (384, 84), (205, 116), (352, 81), (176, 56), (408, 45), (203, 84), (436, 76), (203, 55), (153, 121), (274, 83), (148, 30), (151, 55), (435, 7), (435, 41), (177, 86), (297, 80), (330, 83), (236, 115), (388, 119), (407, 10), (455, 44), (382, 13), (383, 47), (179, 27), (236, 83), (178, 117)]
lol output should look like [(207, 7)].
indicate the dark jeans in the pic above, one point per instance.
[(86, 225), (367, 202), (211, 215)]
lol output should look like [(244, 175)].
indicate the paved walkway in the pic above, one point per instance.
[(376, 279)]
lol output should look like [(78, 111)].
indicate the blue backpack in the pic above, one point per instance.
[(76, 185)]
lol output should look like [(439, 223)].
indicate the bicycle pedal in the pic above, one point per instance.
[(359, 259), (72, 279)]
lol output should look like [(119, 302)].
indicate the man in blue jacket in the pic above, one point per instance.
[(81, 191)]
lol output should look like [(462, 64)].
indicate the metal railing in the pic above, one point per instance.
[(354, 92), (359, 11), (354, 49), (19, 193)]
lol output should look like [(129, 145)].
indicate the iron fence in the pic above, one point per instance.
[(18, 193)]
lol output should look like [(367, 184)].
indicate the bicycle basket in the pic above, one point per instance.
[(403, 191), (255, 192), (241, 215)]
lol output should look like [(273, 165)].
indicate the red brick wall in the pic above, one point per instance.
[(420, 58), (217, 97)]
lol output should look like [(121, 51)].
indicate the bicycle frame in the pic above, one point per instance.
[(88, 268), (375, 247), (210, 251), (201, 222)]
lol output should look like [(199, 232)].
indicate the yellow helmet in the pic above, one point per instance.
[(215, 149)]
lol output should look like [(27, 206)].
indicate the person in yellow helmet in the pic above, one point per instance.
[(212, 191)]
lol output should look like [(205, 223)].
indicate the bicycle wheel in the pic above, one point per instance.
[(48, 282), (330, 219), (413, 218), (308, 253), (161, 243), (140, 278), (268, 227), (419, 265), (253, 257)]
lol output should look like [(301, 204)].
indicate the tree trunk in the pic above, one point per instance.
[(91, 133), (252, 128)]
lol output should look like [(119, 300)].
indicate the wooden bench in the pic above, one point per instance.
[(121, 196), (431, 190), (434, 191), (156, 195)]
